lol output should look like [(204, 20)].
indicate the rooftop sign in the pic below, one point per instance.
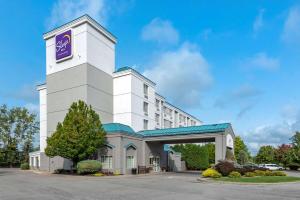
[(63, 45)]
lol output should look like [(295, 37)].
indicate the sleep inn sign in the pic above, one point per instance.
[(63, 44)]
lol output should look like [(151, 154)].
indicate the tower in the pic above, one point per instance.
[(80, 60)]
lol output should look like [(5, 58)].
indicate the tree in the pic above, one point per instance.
[(239, 145), (266, 154), (211, 152), (283, 154), (242, 157), (195, 156), (17, 129), (79, 136), (294, 154)]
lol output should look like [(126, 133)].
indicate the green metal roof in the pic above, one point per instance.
[(112, 128), (211, 128)]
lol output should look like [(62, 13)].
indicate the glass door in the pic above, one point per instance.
[(155, 163)]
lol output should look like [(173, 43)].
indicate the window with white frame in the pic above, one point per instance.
[(106, 162), (157, 104), (130, 162), (146, 91), (145, 108), (157, 118), (145, 124)]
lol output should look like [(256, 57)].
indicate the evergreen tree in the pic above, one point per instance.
[(79, 136)]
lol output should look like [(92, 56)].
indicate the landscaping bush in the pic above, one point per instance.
[(249, 174), (211, 173), (225, 167), (234, 174), (279, 173), (24, 166), (294, 166), (269, 173), (88, 167), (260, 173)]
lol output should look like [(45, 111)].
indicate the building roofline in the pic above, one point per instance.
[(130, 69), (41, 86), (80, 20), (182, 111)]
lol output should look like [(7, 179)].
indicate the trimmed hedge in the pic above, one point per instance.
[(88, 167), (211, 173), (250, 174), (24, 166), (279, 173), (234, 174)]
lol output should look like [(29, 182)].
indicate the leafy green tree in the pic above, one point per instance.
[(266, 154), (79, 136), (283, 154), (211, 152), (195, 156), (242, 157), (294, 154), (17, 129), (239, 145)]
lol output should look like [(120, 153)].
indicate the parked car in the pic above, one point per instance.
[(271, 166)]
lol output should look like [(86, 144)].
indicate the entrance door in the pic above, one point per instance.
[(155, 163)]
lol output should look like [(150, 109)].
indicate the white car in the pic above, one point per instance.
[(271, 166)]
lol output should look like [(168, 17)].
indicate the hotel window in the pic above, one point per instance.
[(157, 118), (145, 124), (130, 162), (145, 108), (157, 104), (146, 91), (106, 162)]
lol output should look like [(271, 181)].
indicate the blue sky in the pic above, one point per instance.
[(230, 61)]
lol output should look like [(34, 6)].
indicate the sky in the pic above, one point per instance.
[(222, 61)]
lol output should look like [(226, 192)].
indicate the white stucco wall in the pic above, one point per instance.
[(43, 117)]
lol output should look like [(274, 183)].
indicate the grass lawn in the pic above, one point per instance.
[(261, 179)]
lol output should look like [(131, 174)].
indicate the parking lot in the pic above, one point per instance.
[(16, 184)]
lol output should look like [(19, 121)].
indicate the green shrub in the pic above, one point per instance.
[(250, 174), (211, 173), (195, 156), (260, 173), (25, 166), (234, 174), (294, 166), (225, 167), (279, 173), (88, 167), (269, 173)]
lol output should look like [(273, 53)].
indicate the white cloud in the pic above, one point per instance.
[(259, 21), (182, 75), (161, 31), (274, 134), (67, 10), (291, 31), (261, 61)]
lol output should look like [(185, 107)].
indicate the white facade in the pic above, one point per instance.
[(134, 98), (43, 116), (137, 105)]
